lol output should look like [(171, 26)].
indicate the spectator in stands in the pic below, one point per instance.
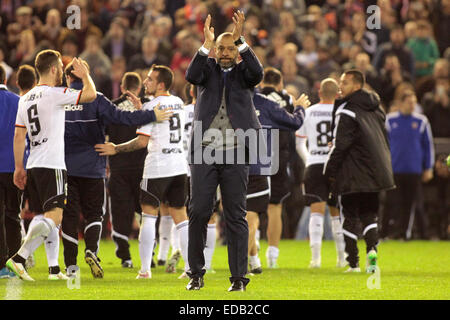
[(441, 23), (325, 65), (6, 67), (436, 106), (111, 86), (424, 49), (426, 84), (390, 77), (344, 44), (395, 46), (24, 21), (98, 61), (307, 57), (289, 69), (116, 43), (324, 34), (362, 63), (367, 39), (289, 28), (275, 50), (24, 52), (355, 49), (148, 55), (410, 29), (161, 29), (52, 28), (70, 46)]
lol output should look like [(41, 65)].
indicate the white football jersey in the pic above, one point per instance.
[(166, 156), (189, 118), (316, 129), (41, 112)]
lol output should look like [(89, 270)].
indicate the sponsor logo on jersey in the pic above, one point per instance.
[(36, 143), (171, 150), (73, 107)]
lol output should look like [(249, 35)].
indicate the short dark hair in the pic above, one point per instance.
[(406, 94), (272, 76), (2, 75), (357, 75), (26, 77), (45, 60), (131, 81), (165, 75), (68, 71)]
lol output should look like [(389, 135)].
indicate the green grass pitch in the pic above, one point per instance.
[(408, 270)]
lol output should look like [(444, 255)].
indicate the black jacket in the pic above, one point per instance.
[(360, 159), (207, 75)]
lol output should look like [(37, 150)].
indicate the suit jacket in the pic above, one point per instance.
[(206, 73)]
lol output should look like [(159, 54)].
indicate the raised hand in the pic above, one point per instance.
[(134, 100), (80, 68), (303, 101), (208, 32), (238, 20)]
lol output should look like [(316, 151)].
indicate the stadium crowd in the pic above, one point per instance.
[(307, 40)]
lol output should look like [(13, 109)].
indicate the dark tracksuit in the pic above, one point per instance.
[(10, 236), (359, 166), (124, 182), (86, 169)]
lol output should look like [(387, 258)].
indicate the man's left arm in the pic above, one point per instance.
[(253, 70)]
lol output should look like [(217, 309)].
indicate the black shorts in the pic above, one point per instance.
[(46, 189), (258, 193), (279, 186), (170, 190), (316, 187)]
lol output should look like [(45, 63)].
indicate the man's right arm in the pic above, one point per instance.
[(110, 149), (19, 149)]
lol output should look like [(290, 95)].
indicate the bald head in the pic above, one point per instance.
[(226, 51), (328, 91)]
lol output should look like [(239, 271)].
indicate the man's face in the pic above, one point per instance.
[(226, 52), (347, 85), (397, 37), (151, 82)]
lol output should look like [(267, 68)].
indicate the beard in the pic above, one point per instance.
[(227, 63)]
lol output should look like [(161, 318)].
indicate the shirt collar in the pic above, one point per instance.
[(228, 69), (3, 86)]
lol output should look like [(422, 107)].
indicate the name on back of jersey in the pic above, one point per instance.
[(34, 96)]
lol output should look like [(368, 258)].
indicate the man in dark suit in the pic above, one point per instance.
[(224, 105)]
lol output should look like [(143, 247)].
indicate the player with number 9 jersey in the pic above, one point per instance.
[(166, 156)]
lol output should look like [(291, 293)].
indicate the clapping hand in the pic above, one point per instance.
[(238, 20), (303, 101), (208, 32)]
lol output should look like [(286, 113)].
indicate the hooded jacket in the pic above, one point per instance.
[(360, 159)]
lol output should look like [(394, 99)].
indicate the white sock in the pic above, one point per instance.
[(254, 261), (272, 253), (36, 236), (174, 238), (147, 240), (165, 227), (210, 245), (183, 233), (52, 247), (336, 228), (315, 234)]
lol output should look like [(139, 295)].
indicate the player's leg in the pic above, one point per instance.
[(369, 220), (338, 236), (253, 259), (70, 222), (279, 192), (152, 191), (93, 201), (10, 229), (350, 208), (210, 244), (165, 230), (316, 232), (176, 197), (49, 196), (121, 192)]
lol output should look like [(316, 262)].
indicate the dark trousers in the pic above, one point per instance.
[(124, 192), (399, 203), (86, 196), (10, 236), (233, 180), (359, 207)]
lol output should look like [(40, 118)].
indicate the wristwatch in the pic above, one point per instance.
[(239, 41)]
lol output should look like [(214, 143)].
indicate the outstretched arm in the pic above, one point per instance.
[(110, 149)]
